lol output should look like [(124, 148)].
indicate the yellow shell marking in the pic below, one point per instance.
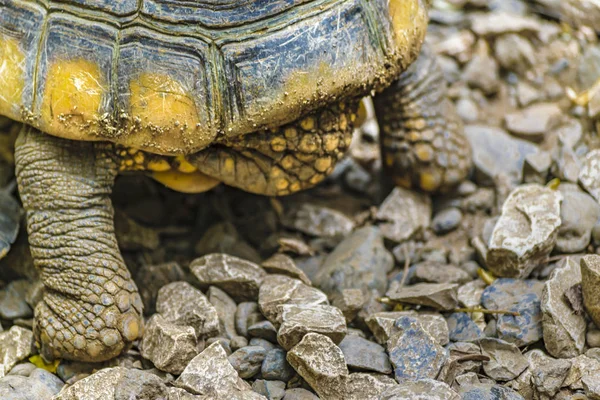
[(73, 89), (162, 104), (409, 20), (12, 81), (195, 182)]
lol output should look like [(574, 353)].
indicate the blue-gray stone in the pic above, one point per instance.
[(522, 296), (414, 353), (364, 355), (488, 392), (51, 381), (17, 387), (265, 344), (446, 220), (264, 330), (276, 367), (462, 328), (247, 361)]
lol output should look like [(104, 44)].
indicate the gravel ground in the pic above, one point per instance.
[(355, 289)]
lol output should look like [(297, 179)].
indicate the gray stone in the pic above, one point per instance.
[(237, 342), (367, 386), (350, 302), (578, 213), (239, 278), (363, 355), (299, 394), (272, 390), (469, 294), (589, 176), (462, 328), (150, 278), (16, 344), (319, 221), (536, 167), (277, 290), (526, 232), (434, 272), (414, 353), (441, 296), (382, 324), (590, 282), (180, 394), (283, 265), (563, 329), (422, 389), (170, 347), (225, 344), (39, 385), (497, 153), (245, 311), (264, 330), (276, 367), (498, 23), (321, 364), (248, 360), (298, 320), (24, 369), (183, 304), (12, 300), (223, 237), (485, 391), (265, 344), (533, 122), (522, 296), (117, 383), (360, 261), (226, 308), (404, 214), (514, 52), (446, 220), (547, 373), (210, 373), (482, 71), (506, 361)]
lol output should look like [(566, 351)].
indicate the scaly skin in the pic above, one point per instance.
[(91, 308), (422, 141)]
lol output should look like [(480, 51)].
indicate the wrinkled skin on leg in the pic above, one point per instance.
[(422, 140), (91, 309)]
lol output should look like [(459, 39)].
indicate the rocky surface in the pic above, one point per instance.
[(358, 290)]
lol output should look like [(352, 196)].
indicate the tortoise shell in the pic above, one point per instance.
[(174, 76)]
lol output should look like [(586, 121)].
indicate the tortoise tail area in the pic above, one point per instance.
[(422, 141)]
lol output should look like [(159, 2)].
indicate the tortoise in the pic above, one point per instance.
[(257, 94)]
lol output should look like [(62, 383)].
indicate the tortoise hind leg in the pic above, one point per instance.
[(422, 141), (91, 309)]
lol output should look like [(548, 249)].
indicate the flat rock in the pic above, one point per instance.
[(239, 278), (319, 221), (496, 153), (506, 361), (589, 175), (441, 296), (413, 352), (210, 373), (547, 373), (321, 364), (299, 394), (247, 361), (590, 285), (434, 272), (226, 308), (277, 290), (350, 302), (170, 347), (298, 320), (498, 23), (360, 261), (116, 383), (578, 212), (276, 367), (533, 122), (12, 300), (183, 304), (422, 389), (404, 214), (526, 232), (16, 344), (522, 296), (563, 329), (462, 328), (382, 324), (283, 265), (363, 355), (486, 391)]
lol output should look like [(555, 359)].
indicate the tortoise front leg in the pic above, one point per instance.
[(422, 139), (91, 308)]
